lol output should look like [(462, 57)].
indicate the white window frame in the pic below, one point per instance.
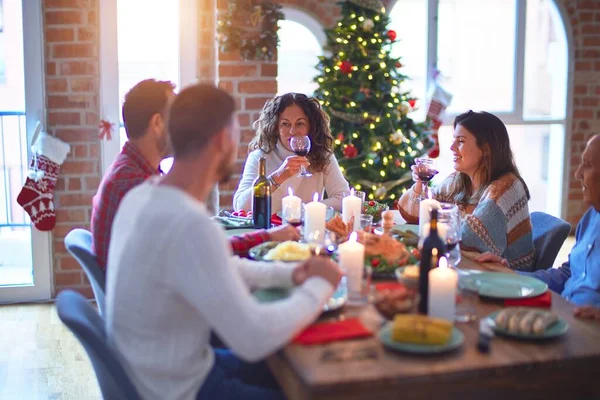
[(109, 65), (558, 146), (304, 18), (35, 109)]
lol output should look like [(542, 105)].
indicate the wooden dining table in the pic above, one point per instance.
[(565, 367)]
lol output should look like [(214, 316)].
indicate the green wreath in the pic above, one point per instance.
[(250, 26)]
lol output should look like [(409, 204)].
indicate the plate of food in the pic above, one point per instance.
[(371, 207), (288, 251), (335, 302), (407, 234), (391, 302), (527, 323), (420, 334)]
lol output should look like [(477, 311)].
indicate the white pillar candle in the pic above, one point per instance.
[(352, 260), (442, 291), (291, 207), (425, 207), (314, 217), (352, 207)]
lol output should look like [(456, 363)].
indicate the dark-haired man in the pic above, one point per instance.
[(144, 114), (159, 318)]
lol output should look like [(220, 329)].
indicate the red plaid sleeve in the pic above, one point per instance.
[(241, 244), (105, 206)]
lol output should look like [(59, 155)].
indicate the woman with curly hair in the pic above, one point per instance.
[(282, 118), (487, 188)]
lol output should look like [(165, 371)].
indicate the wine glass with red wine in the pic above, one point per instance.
[(449, 216), (292, 214), (301, 146), (425, 170)]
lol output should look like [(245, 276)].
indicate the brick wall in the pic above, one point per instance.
[(71, 51), (72, 84), (584, 23)]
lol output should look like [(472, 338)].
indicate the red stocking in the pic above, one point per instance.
[(37, 195)]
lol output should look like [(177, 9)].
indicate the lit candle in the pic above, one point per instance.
[(442, 291), (352, 207), (352, 260), (314, 217), (291, 207), (425, 207)]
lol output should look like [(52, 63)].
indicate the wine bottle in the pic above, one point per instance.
[(433, 248), (261, 202)]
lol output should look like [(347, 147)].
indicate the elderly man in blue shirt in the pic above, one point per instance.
[(578, 280)]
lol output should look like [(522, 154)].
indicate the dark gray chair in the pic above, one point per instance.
[(79, 243), (549, 234), (85, 323)]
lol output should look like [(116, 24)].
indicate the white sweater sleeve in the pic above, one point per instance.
[(258, 274), (335, 184), (206, 276), (242, 198)]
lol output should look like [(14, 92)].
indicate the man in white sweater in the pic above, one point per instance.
[(172, 277)]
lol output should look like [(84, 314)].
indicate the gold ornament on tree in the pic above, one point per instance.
[(396, 137), (404, 108)]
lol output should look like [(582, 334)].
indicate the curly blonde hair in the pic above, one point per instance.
[(267, 128)]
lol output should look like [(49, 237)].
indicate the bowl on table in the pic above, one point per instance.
[(375, 209), (391, 302)]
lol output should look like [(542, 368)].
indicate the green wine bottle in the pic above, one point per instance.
[(261, 202)]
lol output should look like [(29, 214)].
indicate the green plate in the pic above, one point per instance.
[(337, 300), (238, 231), (500, 285), (559, 328), (406, 227), (456, 340)]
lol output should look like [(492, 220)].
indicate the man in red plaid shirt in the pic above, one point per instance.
[(144, 115)]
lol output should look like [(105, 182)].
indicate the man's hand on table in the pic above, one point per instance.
[(587, 312), (488, 257), (284, 233), (317, 266)]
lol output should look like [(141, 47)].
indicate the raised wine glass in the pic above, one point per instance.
[(301, 146), (425, 170)]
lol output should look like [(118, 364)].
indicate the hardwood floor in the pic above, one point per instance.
[(40, 358)]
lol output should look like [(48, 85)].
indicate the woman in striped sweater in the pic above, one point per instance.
[(488, 189)]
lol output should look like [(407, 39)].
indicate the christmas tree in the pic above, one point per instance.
[(360, 88)]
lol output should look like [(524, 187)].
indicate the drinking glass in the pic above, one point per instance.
[(449, 223), (358, 286), (425, 170), (301, 146), (467, 297), (366, 223), (357, 193), (292, 214), (322, 244)]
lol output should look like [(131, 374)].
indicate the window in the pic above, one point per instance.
[(168, 52), (508, 57), (297, 58)]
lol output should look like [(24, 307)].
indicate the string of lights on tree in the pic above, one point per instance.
[(360, 82)]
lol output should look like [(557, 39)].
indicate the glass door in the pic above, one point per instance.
[(24, 251)]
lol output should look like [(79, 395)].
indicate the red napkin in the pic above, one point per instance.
[(391, 286), (276, 220), (326, 332), (541, 301)]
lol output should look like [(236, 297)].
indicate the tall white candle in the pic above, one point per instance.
[(352, 260), (291, 207), (352, 207), (314, 217), (425, 207), (442, 291)]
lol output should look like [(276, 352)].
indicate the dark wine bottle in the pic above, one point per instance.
[(433, 248), (261, 202)]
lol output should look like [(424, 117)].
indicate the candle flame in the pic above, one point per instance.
[(290, 191), (353, 237), (316, 197), (443, 262), (352, 192)]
